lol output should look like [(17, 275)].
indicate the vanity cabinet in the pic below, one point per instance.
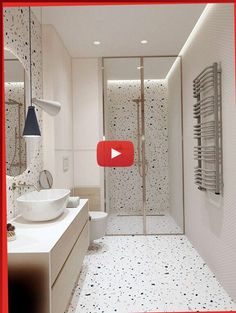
[(45, 261)]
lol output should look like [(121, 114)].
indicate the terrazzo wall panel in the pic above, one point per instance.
[(124, 185), (156, 132), (16, 39)]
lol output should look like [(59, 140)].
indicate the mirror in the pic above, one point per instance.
[(16, 86)]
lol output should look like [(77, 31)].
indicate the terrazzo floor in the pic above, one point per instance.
[(145, 274), (133, 225)]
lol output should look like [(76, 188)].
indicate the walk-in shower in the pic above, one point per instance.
[(142, 103)]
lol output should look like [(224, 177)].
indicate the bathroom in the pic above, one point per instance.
[(153, 235)]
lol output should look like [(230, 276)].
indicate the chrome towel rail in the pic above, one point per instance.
[(207, 131)]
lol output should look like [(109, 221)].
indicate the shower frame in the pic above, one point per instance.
[(143, 161)]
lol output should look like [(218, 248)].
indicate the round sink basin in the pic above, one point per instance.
[(43, 205)]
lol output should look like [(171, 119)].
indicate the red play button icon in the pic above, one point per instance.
[(115, 153)]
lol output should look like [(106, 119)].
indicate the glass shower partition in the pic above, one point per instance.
[(142, 103), (123, 185)]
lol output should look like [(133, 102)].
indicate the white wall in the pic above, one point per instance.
[(211, 221), (87, 121), (175, 167), (58, 131)]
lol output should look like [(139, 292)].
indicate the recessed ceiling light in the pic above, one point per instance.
[(139, 67), (144, 42), (96, 43)]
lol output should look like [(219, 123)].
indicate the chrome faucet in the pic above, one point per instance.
[(22, 185)]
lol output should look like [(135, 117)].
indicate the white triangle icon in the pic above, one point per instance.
[(114, 153)]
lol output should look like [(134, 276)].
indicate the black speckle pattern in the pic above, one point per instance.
[(146, 274), (16, 39), (124, 184)]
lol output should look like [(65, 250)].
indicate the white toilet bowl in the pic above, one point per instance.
[(98, 223)]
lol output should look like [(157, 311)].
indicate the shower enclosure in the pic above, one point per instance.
[(142, 103)]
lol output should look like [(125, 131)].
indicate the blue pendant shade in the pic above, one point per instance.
[(31, 128)]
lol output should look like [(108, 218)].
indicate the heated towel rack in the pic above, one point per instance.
[(207, 111)]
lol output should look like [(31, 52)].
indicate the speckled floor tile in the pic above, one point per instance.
[(146, 274), (132, 225)]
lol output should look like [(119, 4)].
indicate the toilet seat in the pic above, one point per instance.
[(97, 215), (98, 222)]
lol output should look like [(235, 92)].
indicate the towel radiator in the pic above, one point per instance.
[(207, 111)]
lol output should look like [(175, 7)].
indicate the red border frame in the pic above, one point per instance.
[(3, 203), (10, 3)]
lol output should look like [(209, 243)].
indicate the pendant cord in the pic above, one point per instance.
[(30, 65)]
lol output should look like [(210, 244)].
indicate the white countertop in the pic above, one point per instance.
[(41, 237)]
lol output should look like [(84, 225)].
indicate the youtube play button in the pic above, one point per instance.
[(115, 153)]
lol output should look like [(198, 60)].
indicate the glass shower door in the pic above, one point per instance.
[(142, 104), (123, 185)]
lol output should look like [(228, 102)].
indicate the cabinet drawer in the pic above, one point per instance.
[(61, 290), (63, 247)]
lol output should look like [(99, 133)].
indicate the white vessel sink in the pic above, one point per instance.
[(43, 205)]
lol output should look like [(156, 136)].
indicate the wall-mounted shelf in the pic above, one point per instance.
[(208, 130)]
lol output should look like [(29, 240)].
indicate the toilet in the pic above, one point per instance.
[(98, 223)]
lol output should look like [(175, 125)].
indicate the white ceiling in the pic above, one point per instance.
[(121, 27)]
